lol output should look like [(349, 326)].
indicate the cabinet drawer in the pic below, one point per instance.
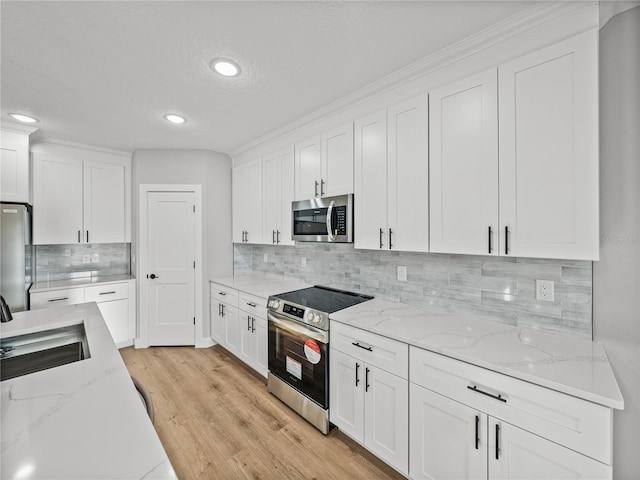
[(382, 352), (224, 294), (52, 298), (106, 293), (252, 304), (583, 426)]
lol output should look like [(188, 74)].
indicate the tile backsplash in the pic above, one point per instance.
[(501, 289), (60, 262)]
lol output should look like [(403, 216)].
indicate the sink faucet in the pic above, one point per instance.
[(5, 312)]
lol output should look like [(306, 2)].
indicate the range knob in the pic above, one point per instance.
[(276, 304)]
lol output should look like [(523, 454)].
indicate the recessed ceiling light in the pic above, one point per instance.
[(225, 67), (23, 118), (173, 118)]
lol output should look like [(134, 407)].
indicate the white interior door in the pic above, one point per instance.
[(171, 264)]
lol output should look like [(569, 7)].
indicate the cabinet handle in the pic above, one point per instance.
[(251, 304), (248, 323), (87, 236), (390, 245), (273, 236), (246, 236), (222, 305), (357, 368), (490, 245), (253, 324), (222, 293), (277, 236), (495, 397), (321, 188), (107, 293), (477, 431), (58, 299), (497, 442), (380, 238), (356, 344), (506, 240), (220, 309), (316, 189), (366, 379), (78, 236)]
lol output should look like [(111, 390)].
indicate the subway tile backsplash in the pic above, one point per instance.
[(61, 262), (500, 289)]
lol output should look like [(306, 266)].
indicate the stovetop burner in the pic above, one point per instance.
[(323, 299)]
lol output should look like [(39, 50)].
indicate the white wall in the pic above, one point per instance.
[(616, 277), (210, 169)]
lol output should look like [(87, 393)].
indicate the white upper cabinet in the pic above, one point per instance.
[(463, 166), (247, 202), (392, 178), (324, 164), (78, 200), (14, 166), (548, 132), (277, 190)]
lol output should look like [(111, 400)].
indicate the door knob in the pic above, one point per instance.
[(152, 276)]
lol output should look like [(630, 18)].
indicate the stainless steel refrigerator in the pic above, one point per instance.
[(16, 255)]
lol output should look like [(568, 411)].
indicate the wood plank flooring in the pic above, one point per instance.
[(216, 419)]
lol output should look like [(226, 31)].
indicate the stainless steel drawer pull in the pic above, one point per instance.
[(58, 299), (107, 293), (496, 397), (221, 293), (356, 344), (251, 304)]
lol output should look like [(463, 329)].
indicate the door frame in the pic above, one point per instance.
[(142, 334)]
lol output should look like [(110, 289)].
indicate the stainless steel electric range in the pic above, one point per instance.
[(299, 348)]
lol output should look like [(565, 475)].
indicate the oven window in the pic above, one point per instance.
[(301, 362), (310, 222)]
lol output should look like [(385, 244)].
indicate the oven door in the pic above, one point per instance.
[(298, 355)]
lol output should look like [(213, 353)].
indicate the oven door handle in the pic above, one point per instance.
[(330, 234), (295, 327)]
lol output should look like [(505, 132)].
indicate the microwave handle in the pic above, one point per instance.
[(330, 234)]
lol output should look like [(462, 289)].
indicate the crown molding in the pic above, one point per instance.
[(65, 143), (509, 27), (17, 128)]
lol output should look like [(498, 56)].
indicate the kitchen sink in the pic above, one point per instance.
[(33, 352)]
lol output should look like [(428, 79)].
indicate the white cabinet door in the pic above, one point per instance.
[(247, 202), (386, 417), (370, 187), (277, 188), (337, 161), (549, 151), (57, 200), (261, 334), (308, 169), (104, 202), (408, 176), (254, 226), (448, 440), (463, 179), (246, 350), (218, 323), (240, 202), (14, 167), (231, 329), (70, 296), (346, 399), (517, 454), (116, 316)]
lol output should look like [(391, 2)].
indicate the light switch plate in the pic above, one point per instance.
[(402, 273)]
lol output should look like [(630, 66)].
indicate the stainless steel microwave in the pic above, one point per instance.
[(323, 219)]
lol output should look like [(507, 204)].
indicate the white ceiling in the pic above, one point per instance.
[(104, 73)]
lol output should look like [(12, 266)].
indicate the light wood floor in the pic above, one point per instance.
[(216, 419)]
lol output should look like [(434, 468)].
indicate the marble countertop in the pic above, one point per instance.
[(78, 282), (560, 362), (81, 420), (261, 284)]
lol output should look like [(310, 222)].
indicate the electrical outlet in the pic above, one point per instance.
[(95, 258), (86, 258), (266, 257), (303, 262), (544, 290), (402, 273)]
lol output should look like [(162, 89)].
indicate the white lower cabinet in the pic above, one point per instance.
[(238, 323), (464, 434), (368, 403), (116, 302)]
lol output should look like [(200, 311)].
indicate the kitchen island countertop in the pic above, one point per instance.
[(82, 420)]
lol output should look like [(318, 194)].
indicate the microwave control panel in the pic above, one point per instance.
[(341, 223)]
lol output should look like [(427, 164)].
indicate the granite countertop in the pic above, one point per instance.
[(81, 420), (48, 286), (560, 362), (261, 284)]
